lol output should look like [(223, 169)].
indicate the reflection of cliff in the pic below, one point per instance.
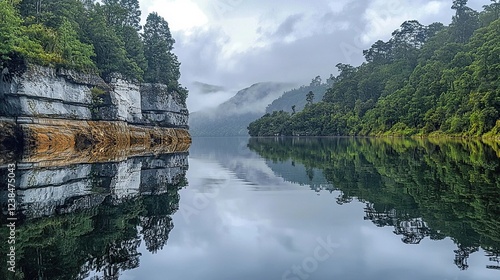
[(422, 189), (87, 220)]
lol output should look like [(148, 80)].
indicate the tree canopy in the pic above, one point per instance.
[(424, 80), (101, 37)]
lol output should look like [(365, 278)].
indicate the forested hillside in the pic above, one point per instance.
[(232, 117), (425, 80), (296, 99), (90, 36)]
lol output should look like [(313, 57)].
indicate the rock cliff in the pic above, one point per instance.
[(53, 112)]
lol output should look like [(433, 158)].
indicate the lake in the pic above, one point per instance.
[(265, 208)]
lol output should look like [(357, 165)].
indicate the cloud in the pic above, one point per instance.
[(384, 16), (288, 26), (180, 14), (236, 43)]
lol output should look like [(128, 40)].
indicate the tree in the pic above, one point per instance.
[(465, 21), (133, 13), (491, 13), (10, 29), (379, 52), (316, 82), (411, 33), (14, 40), (122, 13), (163, 66), (345, 70), (74, 53), (114, 12), (52, 13), (134, 47), (111, 55), (310, 97)]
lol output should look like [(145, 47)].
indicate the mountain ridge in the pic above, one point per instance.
[(232, 117)]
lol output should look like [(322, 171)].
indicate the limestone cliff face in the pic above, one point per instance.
[(121, 102), (44, 92), (160, 107), (57, 112)]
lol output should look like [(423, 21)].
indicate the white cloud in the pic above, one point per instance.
[(182, 15), (384, 16), (235, 43)]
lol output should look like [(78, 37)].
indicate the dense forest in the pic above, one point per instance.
[(91, 36), (296, 99), (426, 80)]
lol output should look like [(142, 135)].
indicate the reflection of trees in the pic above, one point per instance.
[(119, 256), (413, 230), (380, 218), (462, 255), (494, 256), (155, 231), (156, 222), (343, 198), (422, 189), (103, 240)]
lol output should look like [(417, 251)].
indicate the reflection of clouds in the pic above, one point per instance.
[(244, 233), (240, 162)]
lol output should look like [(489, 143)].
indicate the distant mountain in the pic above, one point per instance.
[(297, 97), (232, 117), (207, 88)]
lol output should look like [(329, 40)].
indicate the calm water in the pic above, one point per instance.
[(314, 208)]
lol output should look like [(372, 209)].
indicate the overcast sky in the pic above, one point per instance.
[(235, 43)]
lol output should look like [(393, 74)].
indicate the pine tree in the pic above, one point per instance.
[(163, 66)]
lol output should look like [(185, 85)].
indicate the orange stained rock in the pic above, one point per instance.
[(51, 142)]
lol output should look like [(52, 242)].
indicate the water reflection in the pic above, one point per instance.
[(89, 220), (256, 208), (421, 189)]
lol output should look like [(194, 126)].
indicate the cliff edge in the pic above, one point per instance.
[(52, 112)]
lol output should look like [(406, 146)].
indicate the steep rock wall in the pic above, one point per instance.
[(159, 107), (122, 102), (44, 92), (52, 112)]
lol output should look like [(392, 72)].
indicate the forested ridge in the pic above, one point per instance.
[(296, 99), (426, 80), (101, 37)]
